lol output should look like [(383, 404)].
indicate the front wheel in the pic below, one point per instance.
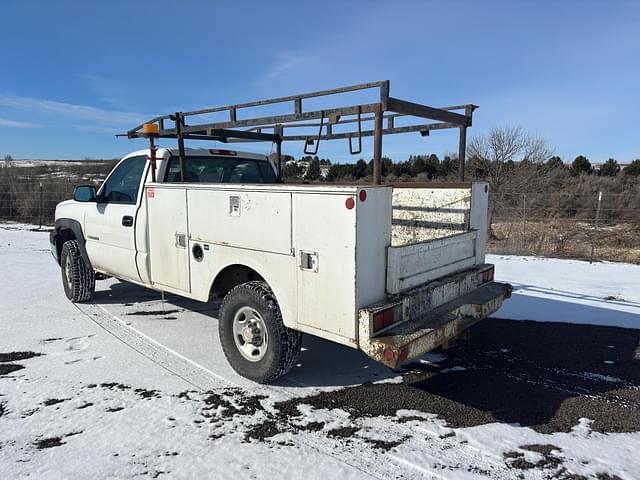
[(254, 338), (78, 279)]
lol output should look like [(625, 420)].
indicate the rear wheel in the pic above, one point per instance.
[(254, 339), (78, 279)]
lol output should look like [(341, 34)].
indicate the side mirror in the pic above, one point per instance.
[(84, 193)]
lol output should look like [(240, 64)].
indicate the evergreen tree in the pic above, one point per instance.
[(360, 170), (554, 162), (432, 165), (633, 168), (610, 168), (580, 165), (291, 171), (387, 166), (313, 171), (448, 166), (418, 166)]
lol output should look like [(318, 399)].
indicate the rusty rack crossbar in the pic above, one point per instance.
[(278, 128)]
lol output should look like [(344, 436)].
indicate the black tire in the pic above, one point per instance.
[(284, 343), (78, 279)]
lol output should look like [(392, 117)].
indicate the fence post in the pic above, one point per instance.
[(524, 215), (41, 207), (595, 228)]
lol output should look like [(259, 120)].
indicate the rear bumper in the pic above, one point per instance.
[(412, 338)]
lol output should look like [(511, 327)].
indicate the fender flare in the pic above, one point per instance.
[(73, 225)]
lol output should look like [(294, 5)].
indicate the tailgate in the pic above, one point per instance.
[(412, 265), (435, 232)]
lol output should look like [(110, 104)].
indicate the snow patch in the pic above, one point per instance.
[(574, 291)]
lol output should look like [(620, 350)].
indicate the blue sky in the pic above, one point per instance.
[(73, 73)]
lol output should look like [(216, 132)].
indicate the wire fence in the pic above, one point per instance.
[(594, 226), (33, 202)]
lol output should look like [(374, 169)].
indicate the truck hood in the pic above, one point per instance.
[(70, 209)]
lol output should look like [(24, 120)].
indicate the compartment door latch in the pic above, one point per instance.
[(181, 240), (309, 261)]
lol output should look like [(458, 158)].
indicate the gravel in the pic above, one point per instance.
[(514, 372)]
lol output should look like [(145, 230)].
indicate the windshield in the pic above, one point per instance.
[(208, 169)]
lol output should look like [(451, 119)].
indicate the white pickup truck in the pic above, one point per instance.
[(392, 270)]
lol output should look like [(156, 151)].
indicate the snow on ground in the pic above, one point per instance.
[(116, 394), (43, 163), (551, 289)]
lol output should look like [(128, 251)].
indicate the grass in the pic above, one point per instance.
[(567, 238)]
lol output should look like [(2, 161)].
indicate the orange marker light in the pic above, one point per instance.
[(150, 129)]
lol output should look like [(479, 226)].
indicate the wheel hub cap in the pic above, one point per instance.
[(250, 334)]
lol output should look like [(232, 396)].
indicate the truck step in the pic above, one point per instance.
[(436, 328)]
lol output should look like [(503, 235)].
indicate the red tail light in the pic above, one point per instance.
[(487, 275), (386, 317), (349, 203)]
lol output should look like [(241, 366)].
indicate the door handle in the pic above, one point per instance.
[(127, 221)]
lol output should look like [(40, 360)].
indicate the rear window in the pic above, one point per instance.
[(221, 170)]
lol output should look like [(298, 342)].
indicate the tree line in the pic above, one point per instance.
[(494, 166), (513, 162)]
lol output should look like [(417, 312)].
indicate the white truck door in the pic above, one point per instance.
[(110, 223)]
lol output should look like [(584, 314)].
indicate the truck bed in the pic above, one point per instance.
[(327, 251)]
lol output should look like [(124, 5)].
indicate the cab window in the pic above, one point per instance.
[(123, 184), (221, 170)]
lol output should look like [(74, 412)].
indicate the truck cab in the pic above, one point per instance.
[(108, 223)]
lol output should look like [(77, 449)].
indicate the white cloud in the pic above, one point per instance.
[(15, 124), (97, 129), (109, 90), (286, 62), (70, 110)]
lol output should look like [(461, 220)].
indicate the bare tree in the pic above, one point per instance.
[(494, 155), (505, 154)]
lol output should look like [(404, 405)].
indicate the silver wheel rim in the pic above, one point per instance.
[(250, 334), (68, 271)]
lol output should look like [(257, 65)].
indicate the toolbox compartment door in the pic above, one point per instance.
[(168, 246)]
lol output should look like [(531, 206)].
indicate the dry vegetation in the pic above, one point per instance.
[(31, 190), (567, 239), (539, 205)]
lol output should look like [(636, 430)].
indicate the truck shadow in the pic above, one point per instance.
[(327, 364), (321, 363), (545, 375)]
